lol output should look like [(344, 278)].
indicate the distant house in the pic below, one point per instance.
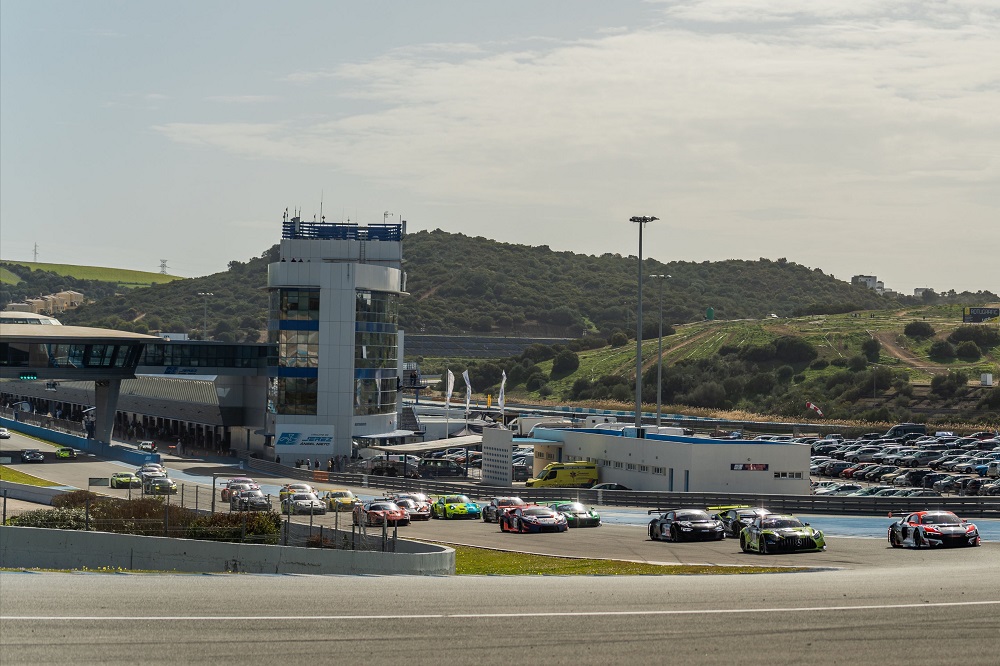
[(870, 281)]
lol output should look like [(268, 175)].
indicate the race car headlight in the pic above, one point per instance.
[(817, 536), (684, 523)]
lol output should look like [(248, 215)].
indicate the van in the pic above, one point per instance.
[(905, 429), (565, 475)]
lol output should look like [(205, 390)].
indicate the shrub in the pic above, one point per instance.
[(968, 350), (565, 363), (819, 364), (618, 339), (871, 349), (857, 363), (942, 349), (918, 330), (791, 349)]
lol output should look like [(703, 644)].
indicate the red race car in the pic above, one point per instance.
[(499, 506), (380, 512)]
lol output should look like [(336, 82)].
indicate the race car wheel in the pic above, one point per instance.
[(893, 540), (918, 539), (743, 544), (520, 526), (762, 546), (652, 535), (675, 535)]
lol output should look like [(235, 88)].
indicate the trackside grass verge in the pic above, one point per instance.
[(471, 561), (15, 476)]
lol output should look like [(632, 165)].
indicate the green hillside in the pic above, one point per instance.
[(122, 277)]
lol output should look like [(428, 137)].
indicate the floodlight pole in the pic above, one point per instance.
[(206, 294), (641, 221), (659, 353)]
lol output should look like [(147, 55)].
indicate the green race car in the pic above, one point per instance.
[(66, 452), (577, 515), (455, 506), (125, 480), (775, 533)]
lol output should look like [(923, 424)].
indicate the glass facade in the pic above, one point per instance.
[(376, 352), (294, 321), (204, 354), (61, 355)]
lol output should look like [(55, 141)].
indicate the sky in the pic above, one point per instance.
[(855, 136)]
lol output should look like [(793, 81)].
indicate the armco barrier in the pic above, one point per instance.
[(972, 507), (74, 549)]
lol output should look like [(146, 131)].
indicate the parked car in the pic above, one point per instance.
[(685, 525), (125, 480), (32, 456), (932, 528), (500, 505), (380, 512), (533, 518), (609, 486), (306, 503), (250, 500), (780, 534), (576, 514)]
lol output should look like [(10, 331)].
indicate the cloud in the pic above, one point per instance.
[(243, 99)]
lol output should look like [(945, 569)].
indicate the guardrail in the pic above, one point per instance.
[(974, 507)]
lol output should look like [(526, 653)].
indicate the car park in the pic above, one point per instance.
[(533, 518), (249, 500), (66, 452), (927, 529), (125, 480), (303, 503), (576, 514), (380, 512), (455, 506), (497, 506), (780, 534), (685, 525), (869, 491), (32, 456)]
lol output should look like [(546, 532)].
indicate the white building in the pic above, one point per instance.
[(673, 463), (334, 318)]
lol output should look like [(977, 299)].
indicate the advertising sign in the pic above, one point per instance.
[(979, 315), (749, 467), (295, 442)]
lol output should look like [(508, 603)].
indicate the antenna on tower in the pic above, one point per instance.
[(163, 266), (36, 254), (322, 218)]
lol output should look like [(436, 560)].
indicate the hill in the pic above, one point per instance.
[(121, 276)]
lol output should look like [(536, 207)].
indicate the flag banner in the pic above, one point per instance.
[(500, 397), (468, 390), (815, 408), (451, 388)]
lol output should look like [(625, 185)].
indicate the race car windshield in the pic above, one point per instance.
[(782, 523), (940, 519), (301, 497), (573, 507), (345, 493), (383, 506), (252, 493), (537, 511), (458, 499), (692, 515), (511, 501)]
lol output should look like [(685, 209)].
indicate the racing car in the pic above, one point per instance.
[(775, 533), (576, 514), (455, 506), (500, 505), (533, 518), (932, 528), (734, 518), (685, 525)]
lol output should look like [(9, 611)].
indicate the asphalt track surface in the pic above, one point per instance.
[(860, 602)]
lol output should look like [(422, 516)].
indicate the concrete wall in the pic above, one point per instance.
[(26, 493), (74, 549)]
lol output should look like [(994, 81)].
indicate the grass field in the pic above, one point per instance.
[(483, 561), (125, 278), (16, 476)]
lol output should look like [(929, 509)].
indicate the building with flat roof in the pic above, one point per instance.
[(333, 321)]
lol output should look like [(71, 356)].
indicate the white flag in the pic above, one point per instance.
[(451, 388), (500, 397), (468, 390)]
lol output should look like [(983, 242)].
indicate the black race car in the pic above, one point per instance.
[(32, 456), (685, 525), (735, 518)]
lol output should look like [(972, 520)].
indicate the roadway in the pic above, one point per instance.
[(861, 601)]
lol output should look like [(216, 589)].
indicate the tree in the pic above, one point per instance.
[(968, 351), (565, 363), (942, 349), (871, 349), (618, 339), (918, 330)]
